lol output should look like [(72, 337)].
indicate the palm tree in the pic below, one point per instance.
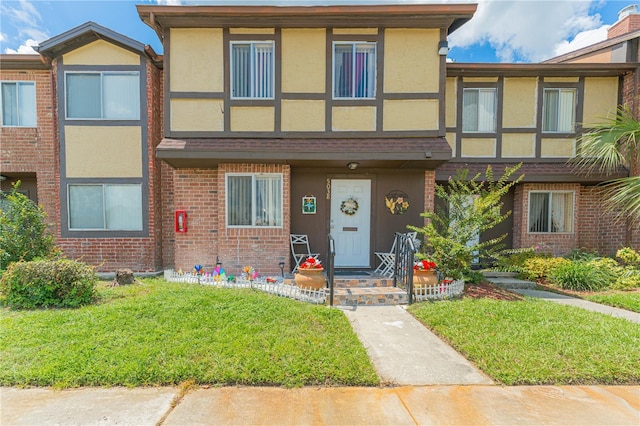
[(607, 147)]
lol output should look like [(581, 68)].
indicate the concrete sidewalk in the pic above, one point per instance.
[(409, 405), (405, 352), (581, 303)]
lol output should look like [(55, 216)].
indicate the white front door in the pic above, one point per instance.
[(351, 222)]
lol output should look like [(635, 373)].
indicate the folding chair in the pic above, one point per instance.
[(300, 249), (387, 260)]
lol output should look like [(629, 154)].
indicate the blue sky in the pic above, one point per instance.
[(501, 30)]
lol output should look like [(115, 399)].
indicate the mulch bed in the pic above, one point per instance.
[(490, 291)]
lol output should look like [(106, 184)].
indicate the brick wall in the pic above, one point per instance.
[(261, 248), (629, 24), (34, 150), (154, 129), (429, 191), (196, 191), (556, 243), (594, 229)]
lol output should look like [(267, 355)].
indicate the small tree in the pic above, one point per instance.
[(474, 206), (23, 231)]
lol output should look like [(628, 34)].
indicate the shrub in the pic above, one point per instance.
[(629, 256), (23, 231), (473, 277), (48, 283), (581, 276), (539, 267), (629, 279)]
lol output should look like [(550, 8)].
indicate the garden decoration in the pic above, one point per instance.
[(249, 273), (309, 204), (198, 270), (310, 274), (397, 202), (349, 206), (219, 274)]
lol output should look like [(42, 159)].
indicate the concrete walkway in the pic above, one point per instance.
[(409, 405), (584, 304), (405, 352)]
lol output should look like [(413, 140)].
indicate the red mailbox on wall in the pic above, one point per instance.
[(181, 221)]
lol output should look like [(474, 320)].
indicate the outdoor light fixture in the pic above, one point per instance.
[(353, 166), (443, 48)]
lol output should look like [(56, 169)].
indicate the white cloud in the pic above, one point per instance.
[(582, 39), (26, 18), (525, 31), (169, 2), (24, 49)]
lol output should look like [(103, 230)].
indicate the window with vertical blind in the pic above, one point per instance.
[(114, 207), (252, 70), (254, 200), (479, 110), (103, 95), (559, 110), (18, 100), (551, 211), (354, 70)]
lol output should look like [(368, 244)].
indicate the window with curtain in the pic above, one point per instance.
[(103, 95), (116, 207), (558, 110), (551, 211), (252, 70), (479, 110), (18, 103), (254, 200), (354, 70)]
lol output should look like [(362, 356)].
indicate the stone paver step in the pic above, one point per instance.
[(362, 281), (359, 296)]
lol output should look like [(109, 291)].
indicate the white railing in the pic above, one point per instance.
[(439, 291), (279, 287)]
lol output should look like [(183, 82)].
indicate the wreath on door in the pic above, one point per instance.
[(349, 206)]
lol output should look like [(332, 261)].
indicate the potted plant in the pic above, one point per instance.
[(310, 274), (424, 273)]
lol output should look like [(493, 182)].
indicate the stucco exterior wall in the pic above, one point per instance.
[(600, 99), (557, 147), (412, 64), (353, 118), (410, 114), (304, 60), (100, 52), (103, 151), (516, 145), (520, 102), (303, 115), (253, 119), (196, 60), (478, 147), (197, 115)]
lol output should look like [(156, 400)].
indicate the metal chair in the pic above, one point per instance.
[(300, 249), (388, 259)]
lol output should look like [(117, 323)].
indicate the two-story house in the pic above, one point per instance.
[(268, 108)]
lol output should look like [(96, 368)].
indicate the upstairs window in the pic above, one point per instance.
[(354, 70), (551, 212), (18, 104), (479, 110), (559, 110), (254, 200), (103, 95), (252, 72)]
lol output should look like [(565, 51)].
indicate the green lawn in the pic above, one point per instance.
[(620, 299), (537, 342), (159, 333)]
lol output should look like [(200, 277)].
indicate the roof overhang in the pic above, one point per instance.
[(448, 16), (401, 153), (550, 172), (88, 33), (606, 44), (22, 62), (455, 69)]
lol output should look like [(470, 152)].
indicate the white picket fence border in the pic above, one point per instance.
[(278, 288), (439, 291)]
